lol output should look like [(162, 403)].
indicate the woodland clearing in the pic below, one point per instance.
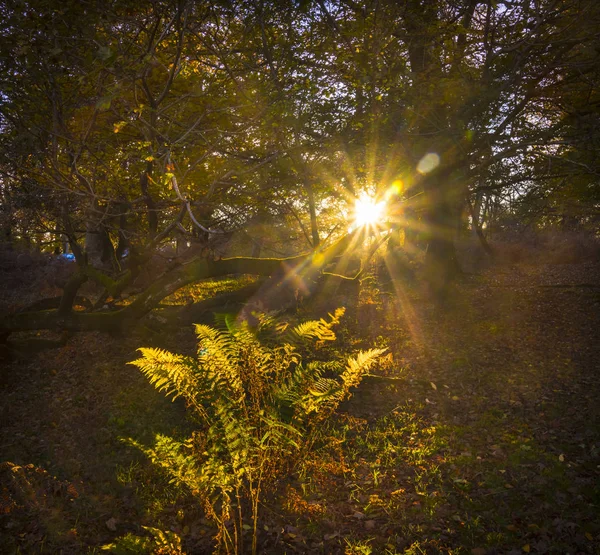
[(481, 435)]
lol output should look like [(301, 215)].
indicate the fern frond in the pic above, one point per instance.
[(323, 387), (221, 342), (322, 398), (337, 315), (218, 361), (172, 374), (360, 365), (166, 541), (302, 334), (225, 321), (268, 325), (236, 438), (256, 399), (320, 330), (129, 544), (280, 434), (172, 456)]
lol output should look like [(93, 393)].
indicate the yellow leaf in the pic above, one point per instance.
[(526, 548), (433, 385), (589, 536)]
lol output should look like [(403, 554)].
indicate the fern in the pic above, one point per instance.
[(165, 542), (257, 402), (358, 366), (320, 330), (169, 373), (174, 457)]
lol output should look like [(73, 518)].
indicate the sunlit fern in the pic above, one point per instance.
[(164, 542), (256, 400)]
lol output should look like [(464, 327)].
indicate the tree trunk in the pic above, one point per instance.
[(297, 271), (313, 215), (150, 204), (441, 215), (475, 212), (476, 227)]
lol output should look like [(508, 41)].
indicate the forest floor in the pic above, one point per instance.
[(483, 436)]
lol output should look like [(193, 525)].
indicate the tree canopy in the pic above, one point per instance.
[(130, 125)]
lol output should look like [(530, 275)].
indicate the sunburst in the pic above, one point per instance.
[(367, 211)]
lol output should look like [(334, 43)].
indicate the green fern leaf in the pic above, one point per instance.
[(360, 365), (169, 373)]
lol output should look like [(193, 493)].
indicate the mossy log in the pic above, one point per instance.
[(202, 312), (54, 302), (297, 271)]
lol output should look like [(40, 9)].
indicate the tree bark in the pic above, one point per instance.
[(474, 212), (70, 293), (314, 230), (297, 271), (441, 264)]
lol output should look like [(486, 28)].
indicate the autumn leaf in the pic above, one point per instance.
[(118, 126)]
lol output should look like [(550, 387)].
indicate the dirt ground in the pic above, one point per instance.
[(483, 437)]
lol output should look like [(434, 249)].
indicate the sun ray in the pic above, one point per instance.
[(406, 309), (367, 211)]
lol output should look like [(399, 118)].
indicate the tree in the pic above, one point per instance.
[(130, 126)]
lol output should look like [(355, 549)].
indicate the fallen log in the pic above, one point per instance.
[(294, 273), (54, 302), (201, 312)]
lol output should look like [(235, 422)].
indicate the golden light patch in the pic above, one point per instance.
[(395, 189), (367, 211)]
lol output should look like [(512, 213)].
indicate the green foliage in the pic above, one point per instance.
[(103, 103), (161, 541), (257, 402)]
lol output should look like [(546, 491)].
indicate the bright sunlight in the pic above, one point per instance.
[(367, 212)]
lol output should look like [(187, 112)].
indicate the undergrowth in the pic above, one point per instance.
[(257, 399)]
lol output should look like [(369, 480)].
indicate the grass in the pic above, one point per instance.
[(196, 292)]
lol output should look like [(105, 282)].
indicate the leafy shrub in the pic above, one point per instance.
[(257, 401)]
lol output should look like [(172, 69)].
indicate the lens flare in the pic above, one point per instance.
[(428, 163), (367, 211)]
